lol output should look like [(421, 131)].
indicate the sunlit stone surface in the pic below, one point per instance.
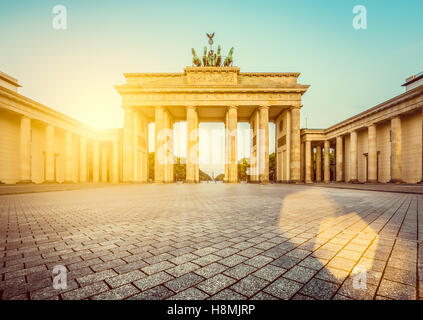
[(211, 241)]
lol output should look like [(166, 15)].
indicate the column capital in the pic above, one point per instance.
[(233, 106), (191, 107), (295, 107), (264, 106)]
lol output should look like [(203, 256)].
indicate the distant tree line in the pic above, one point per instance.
[(179, 169)]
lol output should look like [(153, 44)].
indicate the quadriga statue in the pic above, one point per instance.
[(195, 59), (219, 57), (205, 57), (229, 59)]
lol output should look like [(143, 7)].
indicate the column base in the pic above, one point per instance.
[(254, 182), (372, 181), (353, 181), (398, 181), (190, 181), (49, 182), (23, 182), (68, 181), (295, 182)]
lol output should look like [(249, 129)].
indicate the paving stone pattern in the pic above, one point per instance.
[(212, 242)]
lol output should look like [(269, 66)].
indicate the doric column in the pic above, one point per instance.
[(264, 144), (232, 124), (372, 155), (68, 157), (327, 162), (128, 146), (287, 160), (115, 171), (135, 132), (308, 162), (144, 145), (339, 159), (96, 162), (396, 149), (353, 157), (295, 145), (49, 158), (159, 152), (302, 162), (25, 151), (192, 146), (83, 160), (318, 163), (197, 165), (226, 178), (169, 148), (104, 164), (254, 145)]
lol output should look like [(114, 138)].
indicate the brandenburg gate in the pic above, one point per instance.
[(211, 91)]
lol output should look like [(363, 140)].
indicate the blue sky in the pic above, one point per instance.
[(74, 70)]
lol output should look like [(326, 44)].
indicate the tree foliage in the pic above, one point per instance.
[(272, 167), (243, 165)]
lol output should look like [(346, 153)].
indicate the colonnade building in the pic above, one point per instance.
[(380, 145), (41, 145)]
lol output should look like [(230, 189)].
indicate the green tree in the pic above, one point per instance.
[(220, 177), (204, 176), (179, 169), (272, 167), (151, 167), (243, 166)]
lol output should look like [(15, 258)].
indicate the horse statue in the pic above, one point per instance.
[(211, 59), (229, 59), (205, 57), (195, 60), (219, 57)]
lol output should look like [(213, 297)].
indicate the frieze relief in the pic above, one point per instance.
[(211, 97), (210, 78)]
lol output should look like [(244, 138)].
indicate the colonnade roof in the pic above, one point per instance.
[(13, 102), (212, 79), (408, 102)]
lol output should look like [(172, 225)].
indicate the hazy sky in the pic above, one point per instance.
[(74, 70)]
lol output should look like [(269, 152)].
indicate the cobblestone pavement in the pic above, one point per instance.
[(391, 187), (212, 242), (8, 189)]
